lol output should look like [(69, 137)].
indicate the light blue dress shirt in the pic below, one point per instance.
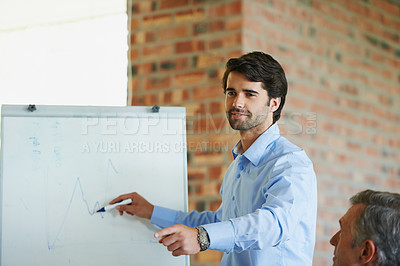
[(268, 210)]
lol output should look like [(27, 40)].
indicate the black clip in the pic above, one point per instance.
[(32, 107), (155, 108)]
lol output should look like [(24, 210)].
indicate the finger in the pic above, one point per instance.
[(120, 212), (162, 239), (120, 198), (169, 240), (125, 208), (164, 232), (174, 246), (178, 252)]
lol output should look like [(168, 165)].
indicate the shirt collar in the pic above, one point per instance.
[(256, 150)]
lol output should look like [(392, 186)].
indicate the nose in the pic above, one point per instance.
[(334, 239), (238, 101)]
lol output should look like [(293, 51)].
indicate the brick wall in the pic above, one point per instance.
[(342, 61)]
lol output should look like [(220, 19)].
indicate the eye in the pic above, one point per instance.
[(250, 94), (230, 93)]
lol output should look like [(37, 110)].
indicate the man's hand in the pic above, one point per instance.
[(180, 239), (139, 206)]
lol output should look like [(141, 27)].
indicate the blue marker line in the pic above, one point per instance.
[(96, 206)]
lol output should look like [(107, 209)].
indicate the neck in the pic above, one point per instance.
[(247, 137)]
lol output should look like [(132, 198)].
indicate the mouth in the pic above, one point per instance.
[(237, 114)]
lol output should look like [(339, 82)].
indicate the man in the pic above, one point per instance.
[(269, 198), (370, 231)]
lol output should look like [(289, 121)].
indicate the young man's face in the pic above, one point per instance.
[(246, 103), (344, 254)]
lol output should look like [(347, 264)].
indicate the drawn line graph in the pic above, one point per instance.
[(91, 211)]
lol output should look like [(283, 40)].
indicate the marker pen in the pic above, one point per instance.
[(112, 206)]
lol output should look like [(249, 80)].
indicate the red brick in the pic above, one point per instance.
[(233, 23), (253, 25), (158, 82), (208, 27), (300, 13), (136, 101), (387, 6), (323, 7), (192, 205), (393, 184), (145, 69), (137, 38), (194, 110), (217, 107), (298, 103), (349, 89), (215, 172), (185, 95), (226, 41), (190, 15), (165, 4), (212, 91), (175, 64), (157, 51), (166, 97), (175, 97), (149, 99), (225, 138), (145, 7), (373, 152), (210, 189), (133, 84), (151, 36), (216, 44), (214, 205), (210, 124), (134, 54), (189, 46), (174, 33), (204, 158), (197, 173), (225, 9), (267, 15), (189, 78), (156, 20), (134, 23)]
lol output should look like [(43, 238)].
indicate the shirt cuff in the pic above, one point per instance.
[(222, 236), (163, 217)]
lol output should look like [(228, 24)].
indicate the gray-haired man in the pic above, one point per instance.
[(370, 231)]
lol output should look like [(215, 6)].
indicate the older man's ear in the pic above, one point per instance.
[(368, 252)]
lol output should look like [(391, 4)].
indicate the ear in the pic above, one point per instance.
[(274, 104), (368, 252)]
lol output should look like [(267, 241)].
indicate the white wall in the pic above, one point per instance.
[(63, 52)]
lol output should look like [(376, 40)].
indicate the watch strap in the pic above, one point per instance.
[(202, 238)]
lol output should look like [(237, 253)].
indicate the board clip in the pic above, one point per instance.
[(155, 108), (32, 107)]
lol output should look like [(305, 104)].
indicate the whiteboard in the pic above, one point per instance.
[(59, 164)]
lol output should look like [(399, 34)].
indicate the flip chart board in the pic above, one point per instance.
[(59, 164)]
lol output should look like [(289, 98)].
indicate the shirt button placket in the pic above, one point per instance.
[(240, 168)]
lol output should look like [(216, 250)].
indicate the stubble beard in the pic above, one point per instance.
[(252, 121)]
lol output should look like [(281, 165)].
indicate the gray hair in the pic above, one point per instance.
[(379, 222)]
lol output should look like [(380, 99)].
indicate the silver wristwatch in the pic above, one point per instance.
[(202, 237)]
